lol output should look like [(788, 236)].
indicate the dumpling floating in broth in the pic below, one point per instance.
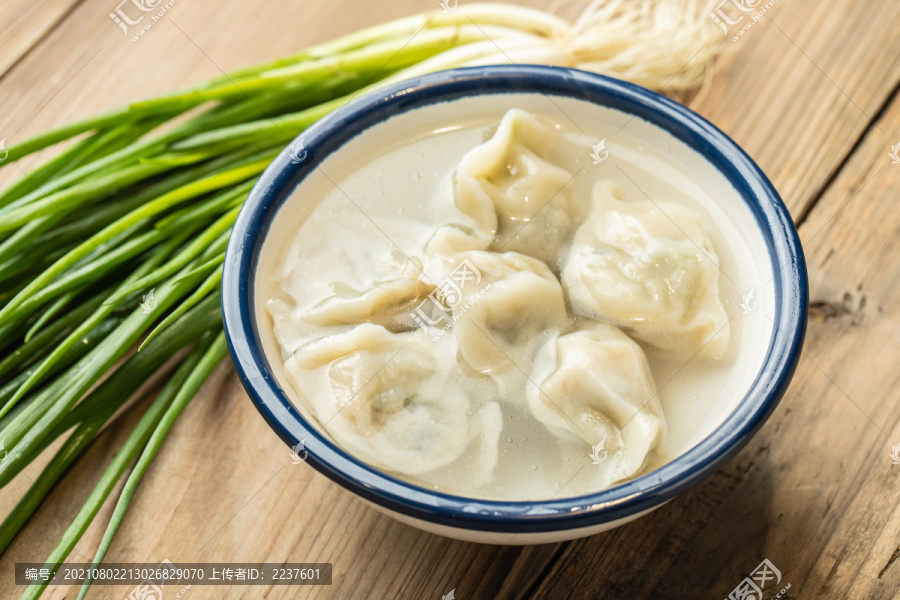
[(395, 400), (516, 195), (595, 384), (503, 312), (389, 283), (363, 277), (648, 266)]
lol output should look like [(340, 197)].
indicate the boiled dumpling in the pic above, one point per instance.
[(388, 285), (648, 266), (396, 400), (594, 384), (517, 197), (348, 273), (454, 238), (503, 311)]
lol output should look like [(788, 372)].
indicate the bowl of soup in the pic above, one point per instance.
[(514, 304)]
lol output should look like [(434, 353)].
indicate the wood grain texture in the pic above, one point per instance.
[(24, 23), (800, 87), (854, 262), (814, 491)]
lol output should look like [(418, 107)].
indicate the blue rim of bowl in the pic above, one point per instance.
[(619, 502)]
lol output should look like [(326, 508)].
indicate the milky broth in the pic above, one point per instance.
[(398, 195)]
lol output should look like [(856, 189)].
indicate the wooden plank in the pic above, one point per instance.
[(729, 523), (855, 269), (815, 492), (24, 23), (799, 88)]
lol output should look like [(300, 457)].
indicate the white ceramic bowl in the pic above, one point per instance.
[(669, 140)]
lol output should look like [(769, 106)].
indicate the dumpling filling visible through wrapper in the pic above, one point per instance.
[(595, 384), (499, 321), (517, 197), (395, 400), (648, 266)]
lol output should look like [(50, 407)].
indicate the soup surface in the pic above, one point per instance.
[(508, 310)]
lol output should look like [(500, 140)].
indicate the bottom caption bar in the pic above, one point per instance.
[(170, 574)]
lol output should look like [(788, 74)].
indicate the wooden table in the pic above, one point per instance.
[(810, 92)]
